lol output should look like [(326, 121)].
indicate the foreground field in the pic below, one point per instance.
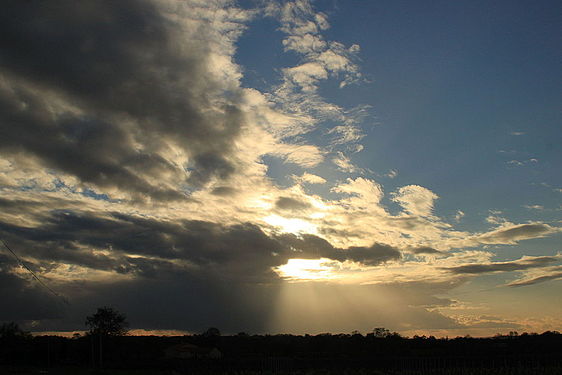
[(323, 354), (22, 370)]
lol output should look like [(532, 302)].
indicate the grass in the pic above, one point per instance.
[(24, 370)]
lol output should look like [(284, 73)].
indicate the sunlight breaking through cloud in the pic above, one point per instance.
[(243, 156)]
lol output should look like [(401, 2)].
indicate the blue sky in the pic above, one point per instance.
[(457, 91), (463, 97), (308, 165)]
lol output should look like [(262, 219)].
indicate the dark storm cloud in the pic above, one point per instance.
[(241, 253), (175, 301), (135, 81), (153, 248), (198, 273), (189, 302), (370, 256), (86, 148), (517, 265), (196, 302), (311, 246), (22, 299), (227, 280)]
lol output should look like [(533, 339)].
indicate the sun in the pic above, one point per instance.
[(306, 269), (295, 226)]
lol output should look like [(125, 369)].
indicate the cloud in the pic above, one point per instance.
[(349, 133), (515, 162), (346, 134), (307, 43), (334, 58), (509, 233), (99, 84), (201, 267), (22, 299), (392, 173), (311, 246), (224, 191), (287, 203), (494, 218), (344, 163), (373, 255), (122, 259), (309, 179), (415, 199), (534, 207), (533, 277), (146, 247), (320, 60), (517, 265), (306, 75), (459, 215), (487, 321), (303, 155), (365, 192), (425, 250), (520, 163)]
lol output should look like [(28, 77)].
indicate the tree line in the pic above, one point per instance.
[(106, 344)]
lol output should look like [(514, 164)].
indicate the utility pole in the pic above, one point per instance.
[(92, 351), (48, 352)]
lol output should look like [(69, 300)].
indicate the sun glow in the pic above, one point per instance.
[(306, 269), (291, 225)]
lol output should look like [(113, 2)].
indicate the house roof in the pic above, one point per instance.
[(190, 348)]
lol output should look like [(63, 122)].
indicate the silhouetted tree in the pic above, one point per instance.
[(107, 322), (14, 343), (11, 331), (212, 332), (381, 332)]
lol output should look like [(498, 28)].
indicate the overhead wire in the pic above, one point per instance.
[(41, 282)]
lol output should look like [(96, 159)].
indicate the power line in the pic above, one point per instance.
[(22, 264)]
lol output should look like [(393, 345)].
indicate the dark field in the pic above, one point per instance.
[(283, 354), (452, 371)]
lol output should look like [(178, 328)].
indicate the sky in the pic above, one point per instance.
[(282, 166)]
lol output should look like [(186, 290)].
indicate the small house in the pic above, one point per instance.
[(190, 351)]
